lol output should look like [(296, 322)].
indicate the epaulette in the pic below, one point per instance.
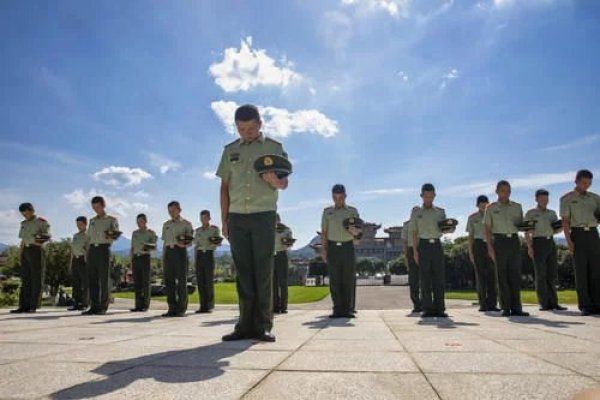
[(42, 219), (566, 194), (232, 143), (272, 140), (474, 214)]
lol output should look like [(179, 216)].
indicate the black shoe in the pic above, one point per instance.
[(416, 311), (283, 311), (585, 312), (276, 311), (349, 315), (441, 315), (17, 311), (179, 314), (546, 308), (168, 314), (202, 311), (100, 312), (135, 310), (89, 312), (265, 337), (30, 311), (506, 313), (483, 309), (233, 336), (334, 315), (494, 309), (74, 308), (519, 313), (560, 308), (428, 315)]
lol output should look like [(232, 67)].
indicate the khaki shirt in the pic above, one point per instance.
[(475, 225), (287, 233), (203, 234), (580, 208), (139, 238), (332, 222), (173, 228), (407, 234), (32, 227), (99, 226), (248, 192), (503, 218), (544, 218), (425, 221), (80, 244)]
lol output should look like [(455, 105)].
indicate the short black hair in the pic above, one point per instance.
[(174, 204), (81, 218), (142, 216), (247, 112), (98, 199), (584, 174), (427, 187), (502, 183), (541, 192), (482, 199), (338, 188), (25, 207), (205, 212)]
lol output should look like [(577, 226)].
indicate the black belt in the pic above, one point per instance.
[(99, 244), (583, 228), (204, 251), (540, 238), (429, 241), (76, 257), (476, 240), (334, 243), (141, 255), (506, 235)]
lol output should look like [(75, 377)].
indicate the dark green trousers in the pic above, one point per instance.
[(280, 281), (485, 274), (175, 277), (252, 240), (587, 268), (546, 271), (509, 264), (205, 278), (141, 280), (98, 260), (32, 277), (341, 263), (413, 279), (432, 276), (81, 291)]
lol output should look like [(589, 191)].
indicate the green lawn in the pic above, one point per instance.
[(225, 293), (527, 296)]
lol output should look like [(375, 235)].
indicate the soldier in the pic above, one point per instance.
[(248, 206), (34, 232), (338, 251), (542, 251), (143, 241), (428, 253), (485, 271), (207, 238), (504, 248), (413, 268), (280, 276), (580, 210), (79, 248), (103, 230), (177, 235)]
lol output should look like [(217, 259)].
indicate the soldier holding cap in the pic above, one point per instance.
[(542, 251), (103, 230), (143, 241), (579, 210), (34, 232), (280, 276), (504, 247), (485, 271), (79, 248), (428, 252), (248, 207), (413, 269), (177, 235), (338, 251), (206, 240)]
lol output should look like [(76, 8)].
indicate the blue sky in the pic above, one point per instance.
[(133, 101)]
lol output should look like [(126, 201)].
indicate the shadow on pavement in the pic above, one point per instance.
[(445, 323)]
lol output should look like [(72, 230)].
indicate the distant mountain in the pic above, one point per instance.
[(3, 247), (306, 251)]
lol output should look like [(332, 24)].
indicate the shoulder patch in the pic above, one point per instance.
[(474, 214), (439, 208), (270, 139), (415, 208), (42, 219)]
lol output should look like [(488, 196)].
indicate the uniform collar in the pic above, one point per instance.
[(205, 228), (586, 193), (345, 206), (260, 138), (176, 219), (541, 209)]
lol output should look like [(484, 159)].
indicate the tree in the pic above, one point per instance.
[(57, 256), (13, 261)]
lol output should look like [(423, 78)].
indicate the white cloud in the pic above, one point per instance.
[(120, 205), (121, 176), (574, 143), (245, 68), (386, 191), (402, 75), (279, 122), (447, 77), (162, 163), (209, 175), (395, 8)]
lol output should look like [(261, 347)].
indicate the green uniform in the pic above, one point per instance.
[(485, 270), (175, 264), (580, 209), (251, 221), (413, 269), (205, 265), (98, 260), (81, 291), (431, 257), (280, 275), (341, 258), (140, 264), (502, 220), (32, 263), (544, 256)]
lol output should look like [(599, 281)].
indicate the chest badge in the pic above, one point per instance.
[(268, 161)]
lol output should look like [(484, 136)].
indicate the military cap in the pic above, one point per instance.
[(149, 246), (338, 188), (280, 227), (448, 225), (42, 237), (217, 240), (184, 238), (354, 222), (273, 163), (526, 226), (287, 241), (557, 225), (114, 235)]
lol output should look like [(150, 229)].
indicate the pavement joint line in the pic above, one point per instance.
[(412, 359)]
